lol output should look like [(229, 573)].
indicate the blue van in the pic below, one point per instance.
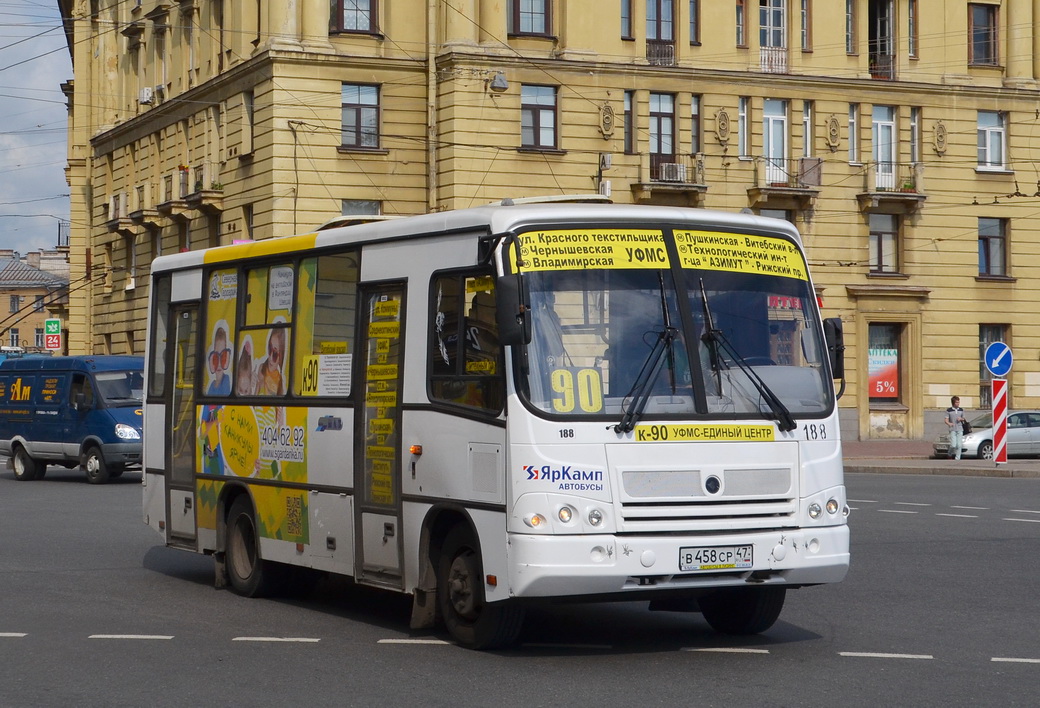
[(72, 411)]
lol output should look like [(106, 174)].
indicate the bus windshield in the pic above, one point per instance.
[(617, 342)]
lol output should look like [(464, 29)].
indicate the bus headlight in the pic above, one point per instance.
[(832, 506), (565, 514), (127, 432), (595, 517), (536, 521), (815, 510)]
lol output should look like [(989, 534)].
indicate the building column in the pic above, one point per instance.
[(494, 24), (317, 16), (1020, 41), (283, 25), (460, 22)]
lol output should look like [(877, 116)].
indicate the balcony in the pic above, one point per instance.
[(786, 183), (773, 60), (209, 201), (660, 53), (681, 175), (882, 66), (892, 187), (172, 202)]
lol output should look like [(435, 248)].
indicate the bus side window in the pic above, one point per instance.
[(326, 302), (465, 366)]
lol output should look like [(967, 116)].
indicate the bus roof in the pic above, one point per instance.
[(500, 217)]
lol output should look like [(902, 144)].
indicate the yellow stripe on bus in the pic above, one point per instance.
[(267, 247)]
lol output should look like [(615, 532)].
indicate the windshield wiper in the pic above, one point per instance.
[(716, 339), (639, 396)]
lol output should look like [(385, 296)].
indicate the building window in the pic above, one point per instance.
[(982, 33), (853, 132), (992, 140), (531, 17), (630, 125), (741, 23), (850, 26), (695, 124), (360, 103), (14, 336), (538, 117), (992, 246), (695, 22), (355, 16), (662, 131), (808, 129), (15, 303), (915, 134), (774, 141), (806, 25), (772, 23), (659, 20), (988, 334), (883, 362), (361, 207), (911, 29), (626, 19), (883, 146), (40, 340), (38, 303), (743, 138), (884, 243)]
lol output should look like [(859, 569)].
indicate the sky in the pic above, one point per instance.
[(34, 61)]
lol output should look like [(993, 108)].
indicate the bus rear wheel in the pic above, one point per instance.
[(95, 466), (248, 574), (26, 468), (743, 611)]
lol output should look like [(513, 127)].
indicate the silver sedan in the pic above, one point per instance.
[(1023, 436)]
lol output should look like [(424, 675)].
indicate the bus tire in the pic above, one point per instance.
[(248, 573), (471, 621), (26, 468), (95, 466), (745, 610)]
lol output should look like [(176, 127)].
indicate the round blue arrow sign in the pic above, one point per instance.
[(998, 359)]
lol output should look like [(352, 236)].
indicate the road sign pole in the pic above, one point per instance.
[(999, 421)]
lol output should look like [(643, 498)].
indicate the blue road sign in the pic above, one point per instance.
[(998, 359)]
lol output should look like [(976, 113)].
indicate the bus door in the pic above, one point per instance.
[(180, 428), (377, 431)]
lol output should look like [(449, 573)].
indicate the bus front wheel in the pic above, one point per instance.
[(473, 622), (248, 574), (743, 610), (25, 467)]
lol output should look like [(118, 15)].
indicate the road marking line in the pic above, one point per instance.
[(13, 635), (730, 650), (1024, 511), (897, 511), (130, 636), (1013, 660), (1028, 521), (911, 504), (971, 508), (958, 516), (863, 501), (879, 655), (303, 640), (412, 641)]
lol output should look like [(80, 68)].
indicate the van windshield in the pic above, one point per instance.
[(120, 388)]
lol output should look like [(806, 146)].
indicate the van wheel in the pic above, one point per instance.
[(94, 465), (471, 621), (25, 467), (248, 574), (115, 471)]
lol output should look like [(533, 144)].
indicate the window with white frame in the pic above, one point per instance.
[(915, 134), (743, 128), (774, 140), (883, 146), (741, 20), (13, 336), (850, 26), (40, 340), (992, 135), (772, 20), (853, 132), (630, 126), (808, 129), (911, 28), (806, 25), (695, 124)]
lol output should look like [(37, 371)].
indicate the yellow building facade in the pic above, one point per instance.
[(900, 136)]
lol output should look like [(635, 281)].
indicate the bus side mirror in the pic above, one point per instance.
[(834, 336), (512, 313)]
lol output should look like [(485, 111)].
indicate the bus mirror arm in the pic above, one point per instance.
[(512, 313), (834, 336)]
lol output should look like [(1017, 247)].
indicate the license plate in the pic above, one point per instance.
[(714, 558)]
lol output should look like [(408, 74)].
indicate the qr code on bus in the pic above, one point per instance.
[(294, 516)]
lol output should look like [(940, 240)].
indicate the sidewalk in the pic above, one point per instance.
[(915, 457)]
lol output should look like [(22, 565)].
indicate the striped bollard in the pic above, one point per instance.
[(1000, 421)]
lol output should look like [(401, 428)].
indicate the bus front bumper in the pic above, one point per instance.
[(557, 566)]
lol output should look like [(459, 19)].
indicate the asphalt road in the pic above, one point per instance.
[(939, 609)]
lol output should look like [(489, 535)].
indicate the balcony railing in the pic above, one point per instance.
[(773, 60), (677, 169), (789, 173), (883, 176), (882, 66), (660, 53)]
